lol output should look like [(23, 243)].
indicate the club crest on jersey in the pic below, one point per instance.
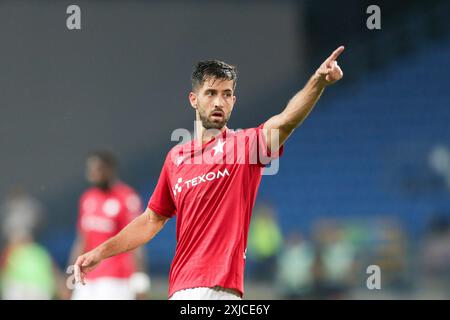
[(210, 176), (111, 208)]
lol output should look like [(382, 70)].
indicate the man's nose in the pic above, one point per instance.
[(219, 102)]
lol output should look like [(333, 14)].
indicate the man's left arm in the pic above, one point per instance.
[(302, 103)]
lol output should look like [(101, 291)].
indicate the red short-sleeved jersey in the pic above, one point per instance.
[(102, 214), (212, 190)]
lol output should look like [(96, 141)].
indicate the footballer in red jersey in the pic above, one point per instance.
[(105, 209), (210, 184)]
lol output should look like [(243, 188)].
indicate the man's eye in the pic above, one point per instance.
[(209, 93)]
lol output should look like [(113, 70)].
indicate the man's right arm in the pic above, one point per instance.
[(138, 232)]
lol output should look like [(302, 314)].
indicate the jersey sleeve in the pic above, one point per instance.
[(132, 208), (257, 147), (161, 200)]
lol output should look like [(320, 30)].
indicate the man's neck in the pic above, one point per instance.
[(204, 135)]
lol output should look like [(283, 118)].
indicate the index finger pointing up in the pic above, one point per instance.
[(335, 54)]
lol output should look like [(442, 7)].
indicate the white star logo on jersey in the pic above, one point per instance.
[(179, 160), (177, 188), (218, 148)]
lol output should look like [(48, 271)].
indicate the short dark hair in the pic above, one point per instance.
[(106, 157), (213, 68)]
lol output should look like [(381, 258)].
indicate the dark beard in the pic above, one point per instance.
[(207, 124), (105, 186)]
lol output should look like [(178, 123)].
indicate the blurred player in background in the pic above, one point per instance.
[(213, 199), (104, 209), (27, 270)]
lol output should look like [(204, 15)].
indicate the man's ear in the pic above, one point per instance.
[(193, 99)]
